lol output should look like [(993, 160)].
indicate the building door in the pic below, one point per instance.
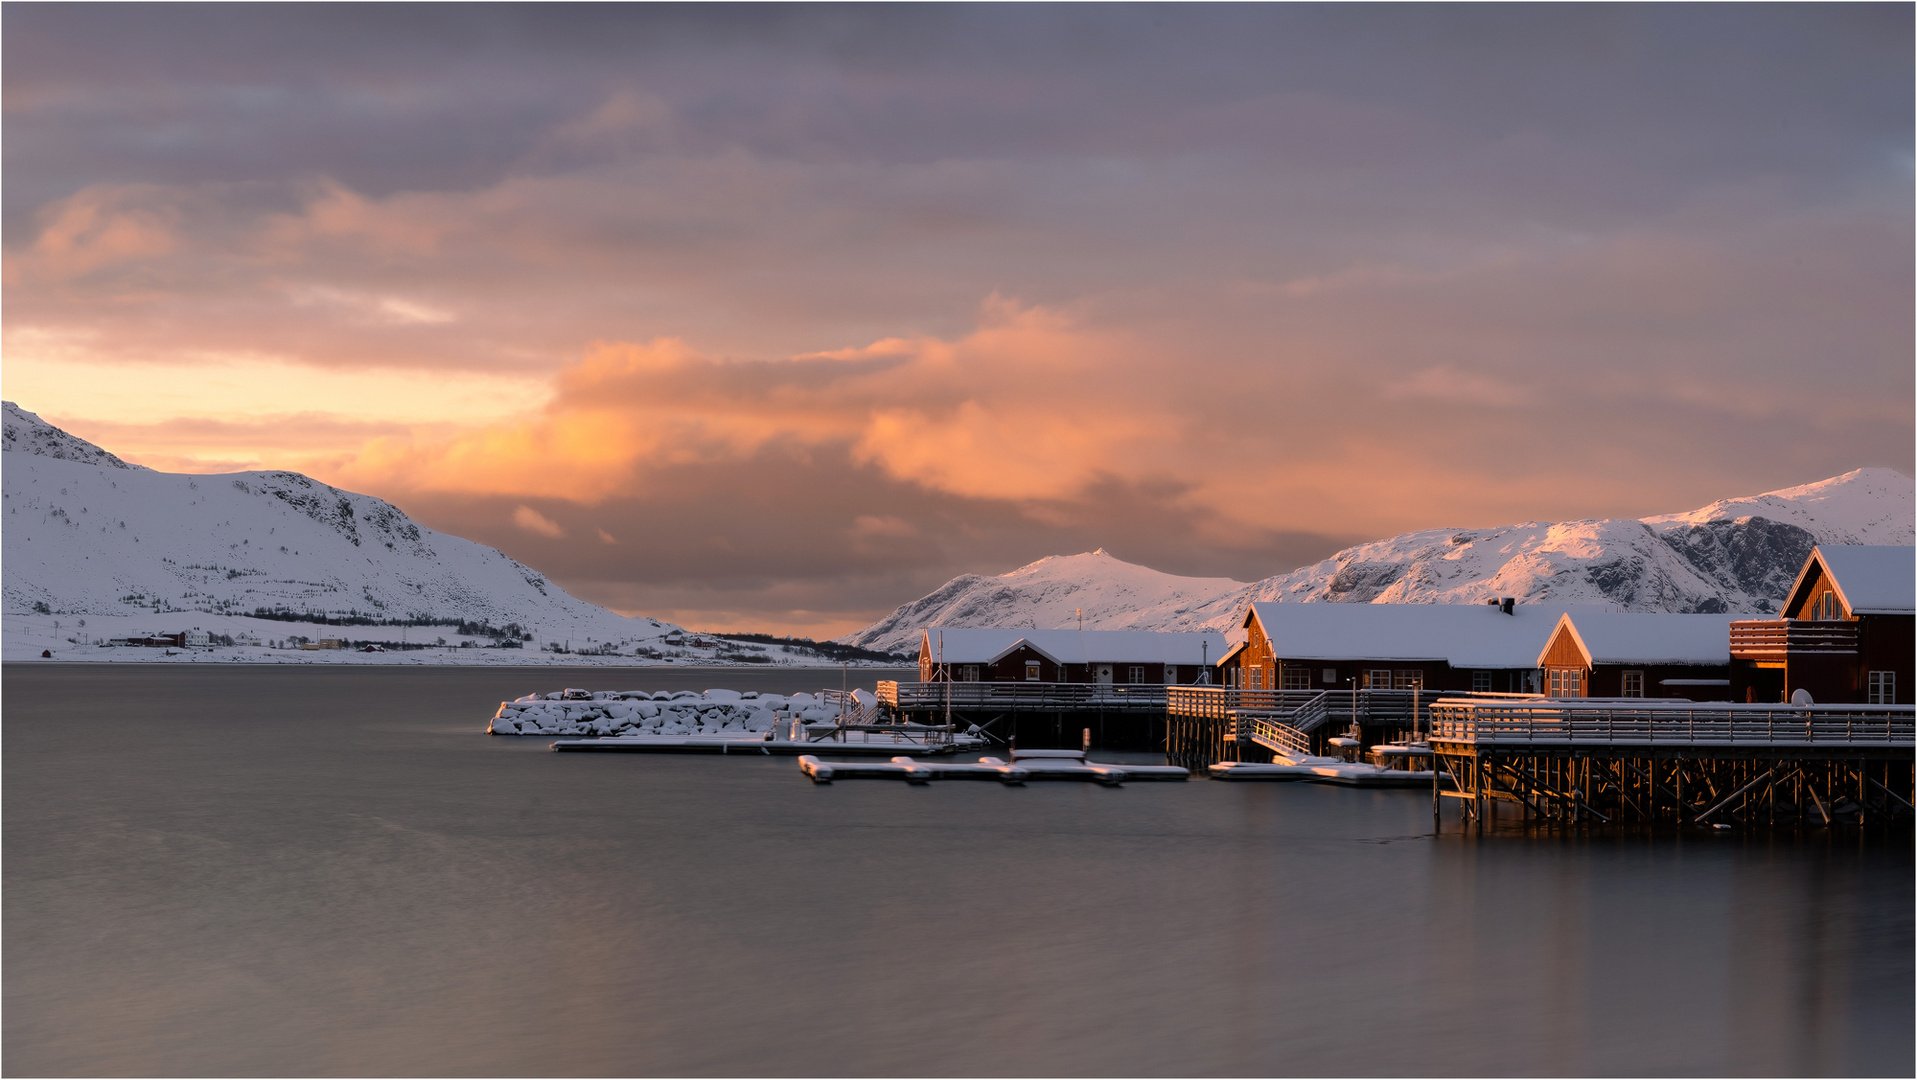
[(1102, 672)]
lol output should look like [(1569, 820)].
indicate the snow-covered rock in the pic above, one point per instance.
[(24, 432), (87, 535), (1735, 555), (636, 713)]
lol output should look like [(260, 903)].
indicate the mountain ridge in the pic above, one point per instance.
[(1735, 555), (88, 534)]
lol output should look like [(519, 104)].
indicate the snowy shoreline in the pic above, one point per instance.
[(72, 638)]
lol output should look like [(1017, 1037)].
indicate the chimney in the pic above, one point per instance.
[(1506, 602)]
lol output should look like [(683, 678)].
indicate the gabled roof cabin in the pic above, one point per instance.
[(1638, 655), (1441, 647), (1844, 634), (967, 654)]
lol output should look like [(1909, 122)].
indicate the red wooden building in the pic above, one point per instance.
[(1442, 647), (1638, 655), (1844, 634), (1120, 657)]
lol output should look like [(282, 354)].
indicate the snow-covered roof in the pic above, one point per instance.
[(970, 645), (1462, 635), (1870, 580), (1640, 637)]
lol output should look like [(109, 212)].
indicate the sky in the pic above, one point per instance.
[(774, 318)]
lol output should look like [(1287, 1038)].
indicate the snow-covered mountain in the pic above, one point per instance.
[(1732, 556), (1055, 593), (88, 535)]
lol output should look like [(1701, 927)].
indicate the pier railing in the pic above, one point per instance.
[(1776, 639), (1304, 710), (1271, 734), (1596, 723), (910, 696), (851, 709)]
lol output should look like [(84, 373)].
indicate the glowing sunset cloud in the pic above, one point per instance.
[(774, 318)]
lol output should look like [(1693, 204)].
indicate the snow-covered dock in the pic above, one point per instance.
[(1323, 771), (1025, 765), (911, 771)]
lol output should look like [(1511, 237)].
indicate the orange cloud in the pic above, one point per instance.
[(96, 227), (535, 522), (1030, 405)]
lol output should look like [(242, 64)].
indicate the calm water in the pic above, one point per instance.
[(248, 870)]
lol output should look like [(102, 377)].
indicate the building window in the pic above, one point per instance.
[(968, 673), (1296, 678), (1634, 684), (1567, 682), (1331, 675), (1135, 674), (1480, 682), (1031, 671), (1408, 680), (1257, 678), (1883, 688), (1378, 679), (1826, 608)]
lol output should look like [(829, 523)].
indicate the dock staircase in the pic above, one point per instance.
[(1284, 729)]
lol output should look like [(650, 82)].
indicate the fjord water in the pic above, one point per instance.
[(223, 870)]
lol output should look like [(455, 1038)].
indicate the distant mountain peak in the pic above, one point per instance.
[(26, 433)]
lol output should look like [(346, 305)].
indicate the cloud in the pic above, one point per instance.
[(535, 522), (1446, 383), (389, 309), (98, 227)]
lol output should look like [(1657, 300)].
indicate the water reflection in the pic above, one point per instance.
[(268, 871)]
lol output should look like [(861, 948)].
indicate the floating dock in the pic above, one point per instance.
[(1323, 771), (1025, 765)]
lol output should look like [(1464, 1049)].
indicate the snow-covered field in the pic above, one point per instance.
[(1734, 555)]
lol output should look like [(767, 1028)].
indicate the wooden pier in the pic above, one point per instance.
[(1636, 761), (1209, 724)]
